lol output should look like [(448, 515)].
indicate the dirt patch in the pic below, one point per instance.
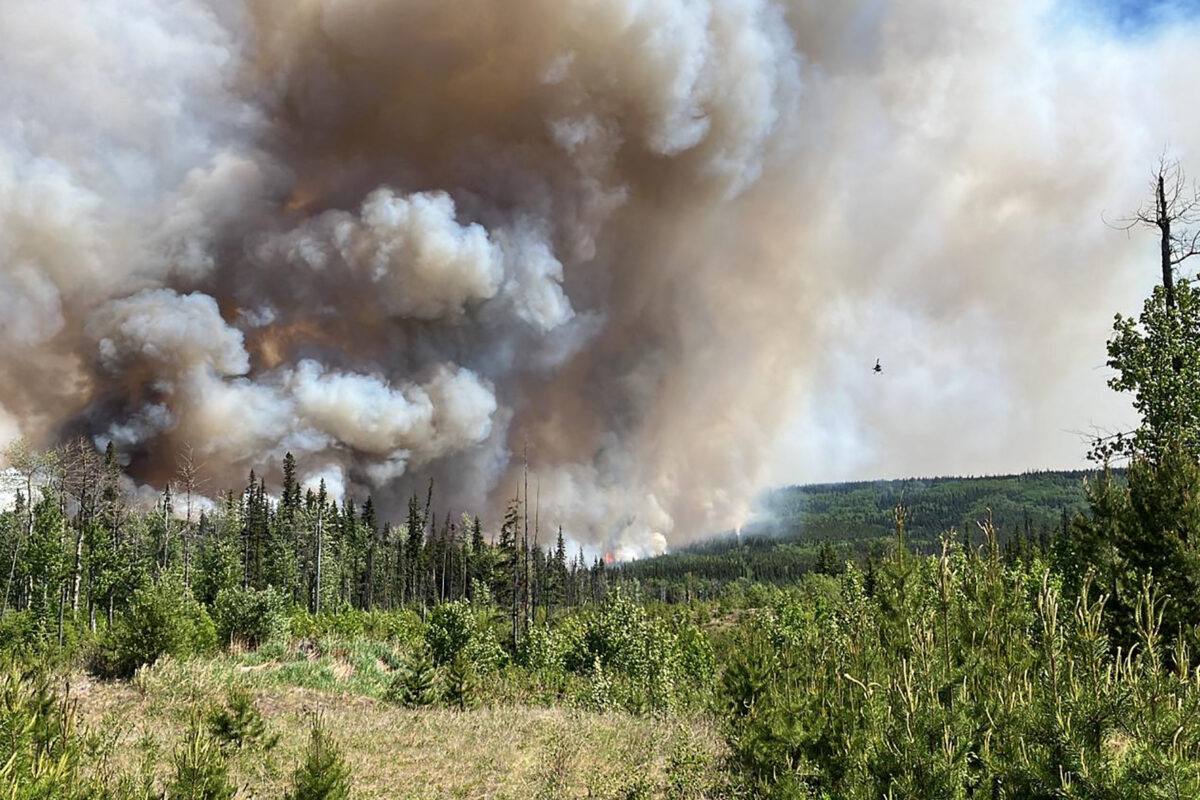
[(342, 670)]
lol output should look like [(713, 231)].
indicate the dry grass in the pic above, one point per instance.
[(396, 753)]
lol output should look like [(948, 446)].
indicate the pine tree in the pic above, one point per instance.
[(324, 774), (351, 551), (200, 772), (462, 684), (289, 527), (506, 583), (415, 683)]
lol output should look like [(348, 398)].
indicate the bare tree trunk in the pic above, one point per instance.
[(445, 555), (77, 571), (62, 607), (1164, 225)]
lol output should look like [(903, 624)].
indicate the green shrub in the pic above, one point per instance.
[(687, 769), (161, 619), (459, 629), (959, 677), (401, 626), (324, 774), (18, 634), (249, 616), (649, 663), (541, 650)]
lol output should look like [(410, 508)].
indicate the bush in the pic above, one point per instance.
[(960, 677), (541, 650), (400, 625), (649, 664), (687, 769), (18, 634), (460, 630), (161, 620), (250, 616)]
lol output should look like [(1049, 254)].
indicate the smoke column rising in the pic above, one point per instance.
[(660, 243)]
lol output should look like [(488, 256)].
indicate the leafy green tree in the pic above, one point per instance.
[(44, 560), (219, 561), (1150, 528), (1157, 359), (162, 619)]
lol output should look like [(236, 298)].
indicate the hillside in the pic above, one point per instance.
[(796, 522)]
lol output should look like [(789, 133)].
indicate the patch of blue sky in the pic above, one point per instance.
[(1133, 18)]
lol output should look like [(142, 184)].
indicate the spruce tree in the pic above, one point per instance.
[(415, 683), (412, 546), (370, 533)]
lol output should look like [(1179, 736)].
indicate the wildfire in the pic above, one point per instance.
[(301, 198), (272, 343), (608, 558)]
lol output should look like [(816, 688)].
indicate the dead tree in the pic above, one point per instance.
[(82, 474), (1174, 211), (188, 473)]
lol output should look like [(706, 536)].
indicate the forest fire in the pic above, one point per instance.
[(410, 377), (401, 240), (326, 239)]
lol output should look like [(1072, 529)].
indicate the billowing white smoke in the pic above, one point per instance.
[(407, 239)]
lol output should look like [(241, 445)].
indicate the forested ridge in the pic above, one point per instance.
[(818, 526)]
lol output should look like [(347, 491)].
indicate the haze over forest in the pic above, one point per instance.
[(658, 244)]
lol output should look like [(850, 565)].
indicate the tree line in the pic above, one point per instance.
[(76, 546)]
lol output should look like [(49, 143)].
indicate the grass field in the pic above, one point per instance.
[(513, 752)]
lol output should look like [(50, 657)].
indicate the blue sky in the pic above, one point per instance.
[(1142, 16)]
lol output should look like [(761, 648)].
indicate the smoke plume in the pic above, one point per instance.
[(654, 245)]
